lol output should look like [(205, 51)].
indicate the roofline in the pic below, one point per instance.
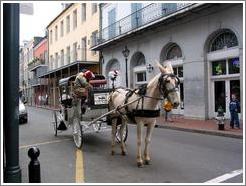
[(69, 65), (59, 15)]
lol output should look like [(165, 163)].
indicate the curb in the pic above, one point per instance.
[(209, 132), (40, 107)]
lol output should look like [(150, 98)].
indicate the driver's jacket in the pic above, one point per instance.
[(81, 85)]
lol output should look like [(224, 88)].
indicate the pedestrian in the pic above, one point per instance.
[(234, 108)]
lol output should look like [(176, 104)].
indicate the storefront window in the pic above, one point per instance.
[(219, 68), (234, 66), (178, 71), (141, 77)]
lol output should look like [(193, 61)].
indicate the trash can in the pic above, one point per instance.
[(220, 119)]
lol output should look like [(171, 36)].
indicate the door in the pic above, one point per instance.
[(222, 91), (112, 23), (136, 15)]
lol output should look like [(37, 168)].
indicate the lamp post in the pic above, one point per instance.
[(125, 53)]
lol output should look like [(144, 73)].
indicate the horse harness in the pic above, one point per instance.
[(141, 91)]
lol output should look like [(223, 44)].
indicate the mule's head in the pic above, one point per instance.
[(168, 84)]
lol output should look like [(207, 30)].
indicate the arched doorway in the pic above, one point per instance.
[(112, 65), (138, 74), (172, 53), (223, 70)]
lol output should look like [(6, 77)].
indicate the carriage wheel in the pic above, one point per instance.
[(77, 133), (125, 133), (55, 123)]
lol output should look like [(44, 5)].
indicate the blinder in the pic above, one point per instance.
[(162, 84)]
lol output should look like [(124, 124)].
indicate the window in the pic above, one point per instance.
[(56, 32), (62, 57), (83, 49), (51, 37), (75, 51), (56, 60), (174, 52), (94, 40), (219, 67), (140, 77), (225, 39), (68, 24), (83, 12), (68, 54), (234, 65), (94, 8), (51, 62), (74, 19), (62, 29), (178, 71)]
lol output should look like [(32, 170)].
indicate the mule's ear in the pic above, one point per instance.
[(162, 69)]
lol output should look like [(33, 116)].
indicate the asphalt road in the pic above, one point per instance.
[(176, 156)]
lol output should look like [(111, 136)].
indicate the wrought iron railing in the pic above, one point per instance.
[(35, 62), (137, 19)]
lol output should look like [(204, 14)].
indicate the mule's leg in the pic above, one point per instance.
[(123, 145), (113, 134), (139, 142), (150, 128)]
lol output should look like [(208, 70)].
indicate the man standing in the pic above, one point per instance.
[(234, 110)]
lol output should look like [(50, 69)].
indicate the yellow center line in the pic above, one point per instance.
[(79, 172), (44, 143)]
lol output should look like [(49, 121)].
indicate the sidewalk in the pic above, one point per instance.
[(191, 125), (200, 126)]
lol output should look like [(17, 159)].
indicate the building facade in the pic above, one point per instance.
[(38, 66), (26, 54), (203, 42), (70, 35)]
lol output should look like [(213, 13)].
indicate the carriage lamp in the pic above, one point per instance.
[(125, 53), (149, 68)]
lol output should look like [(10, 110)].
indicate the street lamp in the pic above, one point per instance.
[(149, 68), (125, 53)]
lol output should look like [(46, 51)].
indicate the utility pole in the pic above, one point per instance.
[(12, 171)]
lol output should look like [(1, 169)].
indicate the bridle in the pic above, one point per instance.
[(163, 81)]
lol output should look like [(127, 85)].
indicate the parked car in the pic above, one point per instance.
[(23, 116)]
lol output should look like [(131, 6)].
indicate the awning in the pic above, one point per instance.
[(86, 63)]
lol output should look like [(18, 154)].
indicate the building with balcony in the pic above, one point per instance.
[(70, 35), (38, 66), (26, 57), (203, 42)]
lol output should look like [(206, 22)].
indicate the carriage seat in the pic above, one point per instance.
[(98, 82)]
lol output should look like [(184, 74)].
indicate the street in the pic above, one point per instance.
[(176, 156)]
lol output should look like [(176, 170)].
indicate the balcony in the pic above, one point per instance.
[(38, 81), (35, 63), (138, 19)]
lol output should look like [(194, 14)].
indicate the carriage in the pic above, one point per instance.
[(90, 115)]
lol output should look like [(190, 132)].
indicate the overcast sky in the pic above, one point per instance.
[(35, 25)]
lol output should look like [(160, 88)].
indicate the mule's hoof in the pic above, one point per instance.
[(112, 153), (140, 164), (123, 153), (147, 162)]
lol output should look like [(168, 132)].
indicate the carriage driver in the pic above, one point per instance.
[(81, 85)]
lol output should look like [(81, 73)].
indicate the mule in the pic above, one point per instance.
[(163, 85)]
